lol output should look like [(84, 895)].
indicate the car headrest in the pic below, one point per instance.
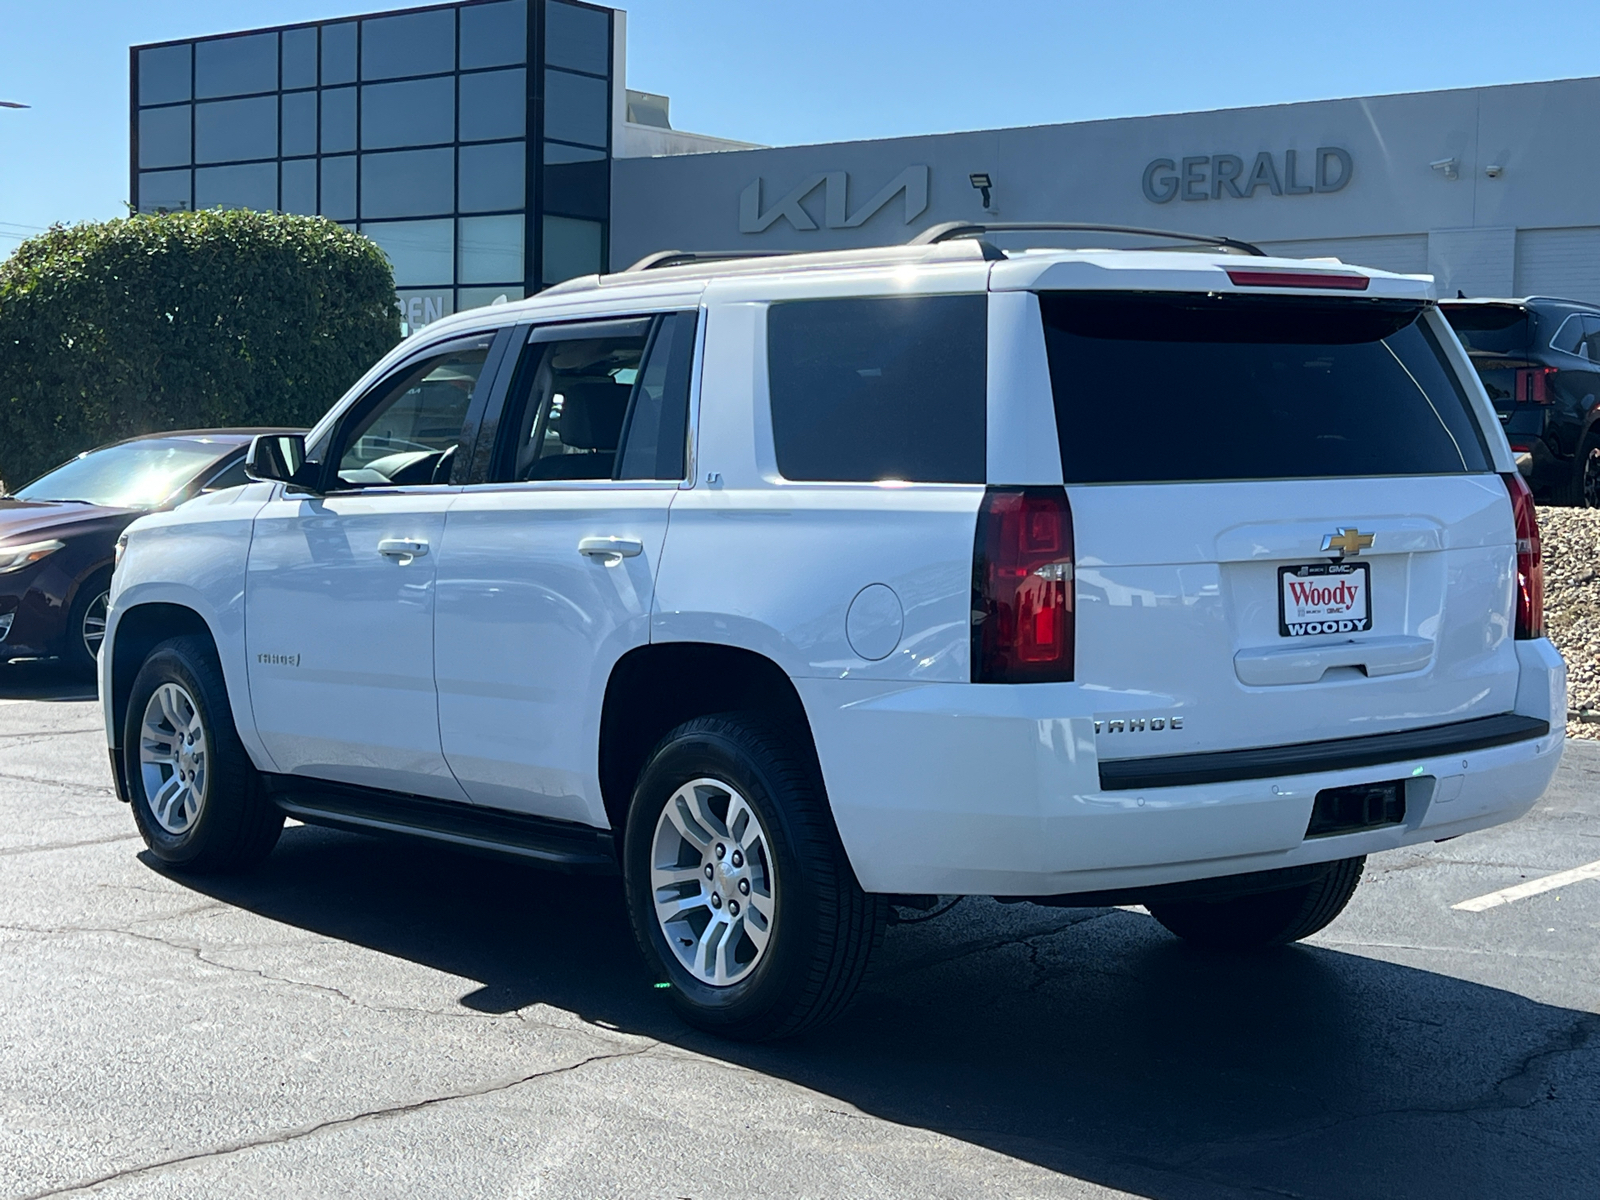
[(592, 412)]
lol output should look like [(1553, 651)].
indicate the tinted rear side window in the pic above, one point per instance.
[(864, 390), (1490, 329), (1171, 388)]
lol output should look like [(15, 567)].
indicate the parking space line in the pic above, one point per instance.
[(1546, 883)]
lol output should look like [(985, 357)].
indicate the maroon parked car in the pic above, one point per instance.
[(58, 534)]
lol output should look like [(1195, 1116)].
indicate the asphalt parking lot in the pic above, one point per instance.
[(362, 1018)]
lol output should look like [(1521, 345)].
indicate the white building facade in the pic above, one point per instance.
[(1488, 189)]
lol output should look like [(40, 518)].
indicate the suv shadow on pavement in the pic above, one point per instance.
[(1086, 1041), (46, 681)]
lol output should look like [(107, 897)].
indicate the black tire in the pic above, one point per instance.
[(1580, 486), (1587, 473), (92, 594), (823, 926), (1264, 918), (235, 825)]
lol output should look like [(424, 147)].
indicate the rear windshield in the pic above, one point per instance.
[(1490, 329), (1178, 387)]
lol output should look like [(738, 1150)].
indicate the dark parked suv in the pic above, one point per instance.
[(1539, 358)]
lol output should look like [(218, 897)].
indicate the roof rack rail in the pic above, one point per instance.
[(680, 258), (950, 230)]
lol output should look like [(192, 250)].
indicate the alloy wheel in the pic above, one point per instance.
[(173, 749), (94, 624), (713, 882)]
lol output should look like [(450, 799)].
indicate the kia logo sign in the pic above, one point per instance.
[(756, 217), (1213, 176)]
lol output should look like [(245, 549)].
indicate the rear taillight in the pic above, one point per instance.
[(1531, 387), (1022, 609), (1530, 569)]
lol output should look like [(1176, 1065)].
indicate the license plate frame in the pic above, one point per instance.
[(1330, 618)]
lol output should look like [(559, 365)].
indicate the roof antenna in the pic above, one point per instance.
[(1460, 295)]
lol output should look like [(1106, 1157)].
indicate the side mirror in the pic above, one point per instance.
[(278, 458)]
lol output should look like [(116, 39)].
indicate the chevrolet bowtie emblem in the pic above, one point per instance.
[(1347, 541)]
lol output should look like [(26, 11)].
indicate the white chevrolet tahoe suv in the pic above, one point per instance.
[(796, 588)]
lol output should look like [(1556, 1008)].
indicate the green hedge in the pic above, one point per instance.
[(182, 321)]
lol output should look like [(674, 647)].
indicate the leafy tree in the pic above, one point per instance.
[(182, 321)]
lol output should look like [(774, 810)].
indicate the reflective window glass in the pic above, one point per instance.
[(408, 183), (1253, 387), (653, 440), (492, 177), (300, 123), (420, 43), (494, 35), (229, 130), (299, 192), (575, 37), (577, 181), (299, 58), (880, 388), (489, 249), (139, 474), (494, 105), (417, 113), (575, 108), (338, 120), (164, 137), (421, 307), (339, 188), (411, 435), (421, 252), (480, 297), (338, 53), (565, 421), (236, 66), (163, 191), (571, 247), (248, 185), (164, 74)]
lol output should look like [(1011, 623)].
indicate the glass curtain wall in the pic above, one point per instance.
[(471, 142)]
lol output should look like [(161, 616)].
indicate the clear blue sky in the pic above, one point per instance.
[(828, 70)]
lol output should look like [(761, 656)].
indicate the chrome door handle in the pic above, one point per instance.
[(610, 550), (402, 550)]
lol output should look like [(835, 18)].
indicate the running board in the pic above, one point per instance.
[(563, 845)]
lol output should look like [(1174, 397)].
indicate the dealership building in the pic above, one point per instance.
[(493, 147)]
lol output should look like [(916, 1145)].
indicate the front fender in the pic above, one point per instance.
[(193, 557)]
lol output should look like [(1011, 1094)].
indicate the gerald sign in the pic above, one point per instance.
[(1213, 176)]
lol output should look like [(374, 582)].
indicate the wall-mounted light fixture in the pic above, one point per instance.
[(1449, 167), (1494, 170), (981, 181)]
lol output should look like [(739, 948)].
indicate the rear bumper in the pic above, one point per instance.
[(968, 789)]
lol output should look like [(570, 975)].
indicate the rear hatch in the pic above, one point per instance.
[(1288, 527)]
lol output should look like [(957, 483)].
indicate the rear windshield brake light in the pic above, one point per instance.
[(1300, 279)]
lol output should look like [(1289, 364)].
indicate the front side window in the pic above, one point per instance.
[(410, 435), (607, 400)]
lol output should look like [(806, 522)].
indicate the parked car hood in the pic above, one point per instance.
[(20, 520)]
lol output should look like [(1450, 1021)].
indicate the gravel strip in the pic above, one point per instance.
[(1571, 541)]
